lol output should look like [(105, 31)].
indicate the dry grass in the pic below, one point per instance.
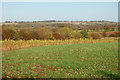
[(11, 44)]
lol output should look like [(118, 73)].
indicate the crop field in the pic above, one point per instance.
[(85, 60)]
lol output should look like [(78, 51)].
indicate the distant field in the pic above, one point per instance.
[(88, 60)]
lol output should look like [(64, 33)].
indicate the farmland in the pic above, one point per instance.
[(66, 40), (85, 60), (60, 50)]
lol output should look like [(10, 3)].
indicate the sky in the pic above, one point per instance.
[(60, 0), (65, 11)]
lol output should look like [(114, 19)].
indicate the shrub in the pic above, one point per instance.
[(56, 36), (84, 34), (44, 33), (90, 37), (33, 35), (112, 35), (77, 35), (96, 35), (10, 33), (23, 35), (66, 33), (107, 28), (117, 34), (104, 34)]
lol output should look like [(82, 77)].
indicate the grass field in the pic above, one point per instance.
[(85, 60)]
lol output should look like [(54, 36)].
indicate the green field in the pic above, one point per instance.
[(88, 60)]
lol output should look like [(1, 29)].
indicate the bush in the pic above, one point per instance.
[(44, 33), (111, 35), (84, 34), (10, 33), (33, 35), (77, 35), (104, 34), (117, 34), (22, 35), (66, 33), (56, 36), (96, 35)]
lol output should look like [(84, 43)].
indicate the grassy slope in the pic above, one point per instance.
[(73, 60)]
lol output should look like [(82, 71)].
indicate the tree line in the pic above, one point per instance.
[(52, 33)]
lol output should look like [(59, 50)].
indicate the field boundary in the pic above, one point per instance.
[(13, 45)]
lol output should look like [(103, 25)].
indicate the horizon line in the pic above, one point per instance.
[(60, 21)]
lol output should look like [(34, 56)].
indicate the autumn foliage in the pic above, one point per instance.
[(62, 33)]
